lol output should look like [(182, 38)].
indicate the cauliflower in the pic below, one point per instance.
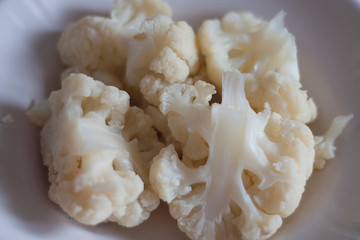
[(282, 94), (39, 113), (241, 41), (253, 175), (99, 43), (247, 43), (98, 158), (93, 43), (162, 53), (105, 77), (324, 145), (131, 13)]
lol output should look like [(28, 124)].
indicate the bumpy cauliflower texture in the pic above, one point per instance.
[(98, 162), (282, 94), (93, 43), (162, 53), (105, 77), (241, 41), (255, 172), (245, 42), (99, 43), (131, 13)]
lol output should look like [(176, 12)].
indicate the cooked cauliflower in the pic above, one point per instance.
[(241, 41), (39, 113), (324, 145), (245, 42), (98, 158), (131, 13), (282, 94), (99, 43), (255, 171), (105, 77), (162, 53), (93, 43)]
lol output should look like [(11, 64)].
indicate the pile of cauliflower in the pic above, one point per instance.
[(213, 122)]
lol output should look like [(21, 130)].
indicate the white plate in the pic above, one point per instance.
[(328, 38)]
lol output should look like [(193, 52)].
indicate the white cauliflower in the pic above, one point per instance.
[(241, 41), (105, 77), (255, 171), (283, 94), (245, 42), (324, 145), (162, 53), (131, 13), (98, 43), (39, 113), (98, 151), (93, 43)]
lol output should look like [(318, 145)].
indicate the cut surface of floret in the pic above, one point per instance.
[(255, 172)]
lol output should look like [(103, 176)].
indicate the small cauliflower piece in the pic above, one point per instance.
[(162, 53), (7, 119), (254, 173), (98, 158), (131, 13), (243, 42), (93, 43), (324, 145)]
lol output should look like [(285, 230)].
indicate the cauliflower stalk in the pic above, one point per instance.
[(324, 145), (98, 161), (243, 42), (255, 170)]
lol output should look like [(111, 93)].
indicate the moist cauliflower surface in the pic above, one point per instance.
[(255, 170), (98, 160), (241, 41)]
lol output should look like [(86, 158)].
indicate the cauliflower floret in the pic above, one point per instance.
[(131, 13), (255, 171), (247, 43), (282, 94), (163, 52), (93, 43), (105, 77), (241, 41), (98, 160), (98, 43), (324, 145)]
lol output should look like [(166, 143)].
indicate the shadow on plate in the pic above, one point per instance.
[(23, 179)]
